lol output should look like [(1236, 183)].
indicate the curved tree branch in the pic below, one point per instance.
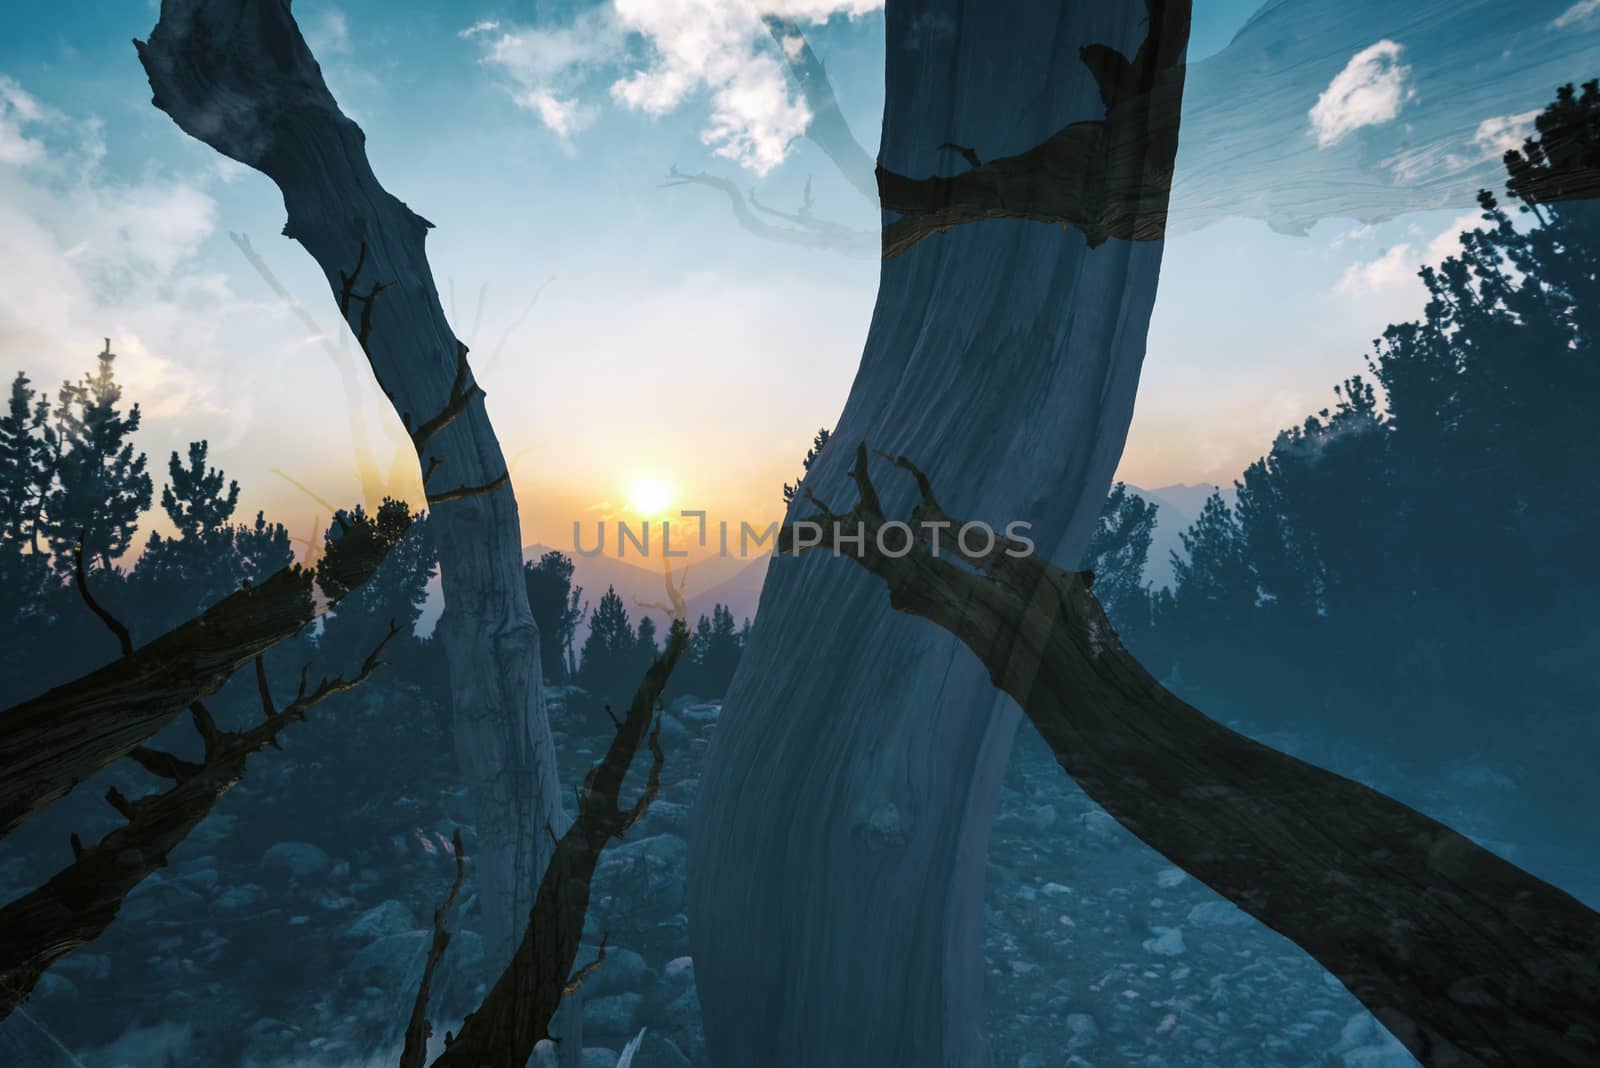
[(1464, 957), (1108, 177), (516, 1014), (78, 904), (54, 741)]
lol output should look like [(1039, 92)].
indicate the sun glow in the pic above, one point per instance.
[(649, 496)]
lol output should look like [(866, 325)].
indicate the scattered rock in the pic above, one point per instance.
[(611, 1015), (1167, 943), (388, 918), (299, 859)]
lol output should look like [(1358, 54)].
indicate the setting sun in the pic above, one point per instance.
[(649, 496)]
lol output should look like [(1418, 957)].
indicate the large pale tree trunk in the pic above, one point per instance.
[(237, 75), (837, 856)]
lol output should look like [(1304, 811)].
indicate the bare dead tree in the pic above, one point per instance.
[(418, 1030), (52, 742), (677, 606), (800, 229), (238, 76), (1108, 177), (1464, 957), (830, 131), (517, 1012), (80, 902)]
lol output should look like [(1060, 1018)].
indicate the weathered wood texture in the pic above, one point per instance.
[(79, 903), (238, 76)]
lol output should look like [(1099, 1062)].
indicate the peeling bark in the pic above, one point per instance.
[(238, 76), (54, 741), (79, 903), (1464, 957)]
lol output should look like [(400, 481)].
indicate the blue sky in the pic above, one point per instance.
[(665, 341)]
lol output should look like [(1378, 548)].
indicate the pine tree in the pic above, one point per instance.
[(609, 650), (101, 484), (555, 604), (1118, 551), (25, 472), (193, 497), (177, 578), (817, 442)]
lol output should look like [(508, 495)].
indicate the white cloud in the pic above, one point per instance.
[(18, 110), (1448, 241), (563, 117), (1499, 134), (90, 255), (1367, 92), (1581, 11), (1394, 267), (719, 49), (1398, 265), (710, 45), (547, 67)]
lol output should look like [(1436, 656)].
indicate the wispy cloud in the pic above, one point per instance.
[(718, 50), (1369, 91), (1397, 266), (1499, 134), (18, 111), (1582, 11), (90, 253)]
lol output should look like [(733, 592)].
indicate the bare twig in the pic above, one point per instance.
[(419, 1030), (52, 742), (518, 1010), (77, 905)]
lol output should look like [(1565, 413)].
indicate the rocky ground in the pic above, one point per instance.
[(266, 951)]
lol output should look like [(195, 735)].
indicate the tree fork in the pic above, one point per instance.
[(1464, 957)]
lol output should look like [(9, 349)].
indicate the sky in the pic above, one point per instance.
[(638, 348)]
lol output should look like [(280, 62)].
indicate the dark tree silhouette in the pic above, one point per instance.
[(607, 658), (51, 743), (1464, 957), (177, 578), (101, 486), (555, 603), (817, 442)]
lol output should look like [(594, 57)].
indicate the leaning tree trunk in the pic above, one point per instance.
[(237, 75), (837, 857), (1467, 959)]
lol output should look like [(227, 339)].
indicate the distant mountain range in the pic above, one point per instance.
[(728, 580), (1177, 506), (736, 581)]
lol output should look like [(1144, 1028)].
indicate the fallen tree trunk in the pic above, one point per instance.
[(79, 903), (1464, 957), (54, 741), (237, 75)]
